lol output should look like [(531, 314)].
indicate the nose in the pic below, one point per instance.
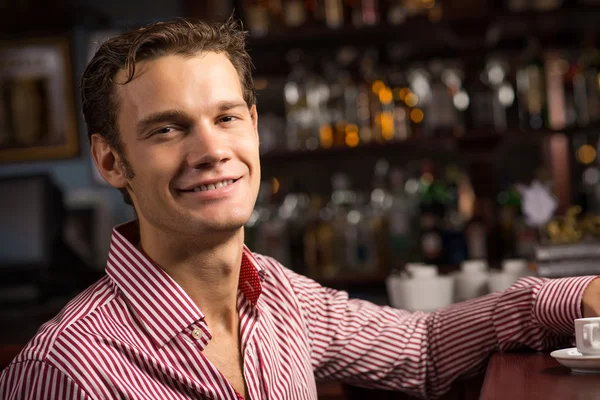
[(207, 147)]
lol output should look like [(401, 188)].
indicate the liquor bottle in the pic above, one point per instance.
[(272, 234), (379, 209), (562, 77), (442, 115), (454, 221), (375, 94), (401, 216), (397, 12), (318, 241), (419, 99), (333, 131), (531, 85), (432, 211), (317, 98), (506, 108), (257, 15), (401, 111), (476, 233), (293, 212), (590, 62), (296, 104), (370, 12), (482, 108), (294, 14), (334, 13), (353, 246)]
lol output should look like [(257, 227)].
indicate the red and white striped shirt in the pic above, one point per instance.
[(136, 334)]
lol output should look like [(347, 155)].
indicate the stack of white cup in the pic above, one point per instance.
[(421, 288), (512, 270), (472, 280)]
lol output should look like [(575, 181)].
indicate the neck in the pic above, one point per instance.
[(208, 270)]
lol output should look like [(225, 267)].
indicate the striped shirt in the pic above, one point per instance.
[(136, 334)]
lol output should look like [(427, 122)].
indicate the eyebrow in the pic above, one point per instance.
[(163, 116), (228, 105)]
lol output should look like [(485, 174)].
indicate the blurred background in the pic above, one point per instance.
[(452, 142)]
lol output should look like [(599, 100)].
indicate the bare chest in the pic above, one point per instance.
[(226, 356)]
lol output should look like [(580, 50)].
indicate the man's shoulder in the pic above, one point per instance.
[(82, 309)]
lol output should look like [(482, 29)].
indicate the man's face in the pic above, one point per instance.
[(192, 144)]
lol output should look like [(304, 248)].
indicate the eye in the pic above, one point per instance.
[(227, 118), (164, 130)]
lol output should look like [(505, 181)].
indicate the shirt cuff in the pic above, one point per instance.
[(558, 303)]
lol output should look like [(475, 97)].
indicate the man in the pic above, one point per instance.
[(186, 311)]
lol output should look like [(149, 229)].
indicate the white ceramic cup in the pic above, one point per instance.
[(422, 271), (420, 294), (499, 281), (516, 267), (587, 336), (474, 266)]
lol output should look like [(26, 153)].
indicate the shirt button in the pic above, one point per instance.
[(197, 333)]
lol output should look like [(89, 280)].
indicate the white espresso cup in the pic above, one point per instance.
[(587, 335)]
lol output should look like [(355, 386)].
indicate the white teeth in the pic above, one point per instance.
[(217, 185)]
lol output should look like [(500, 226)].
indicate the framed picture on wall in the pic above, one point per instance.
[(37, 111)]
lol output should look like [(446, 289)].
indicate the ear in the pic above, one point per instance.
[(254, 116), (108, 162)]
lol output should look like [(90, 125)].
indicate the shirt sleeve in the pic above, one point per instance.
[(33, 380), (357, 342)]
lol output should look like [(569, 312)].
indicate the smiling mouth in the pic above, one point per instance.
[(212, 186)]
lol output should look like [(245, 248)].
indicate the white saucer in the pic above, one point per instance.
[(578, 363)]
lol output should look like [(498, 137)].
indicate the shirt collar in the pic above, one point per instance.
[(160, 304)]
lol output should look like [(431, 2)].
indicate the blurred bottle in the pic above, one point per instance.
[(442, 116), (590, 63), (294, 14), (299, 95), (315, 12), (332, 130), (477, 234), (294, 211), (397, 12), (486, 113), (531, 83), (272, 234), (354, 249), (454, 219), (257, 16), (560, 75), (380, 204), (369, 106), (319, 241), (432, 194), (370, 12), (403, 128), (334, 13), (402, 214)]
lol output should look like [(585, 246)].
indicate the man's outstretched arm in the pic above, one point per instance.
[(380, 347)]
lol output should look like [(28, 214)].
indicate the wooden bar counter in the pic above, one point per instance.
[(531, 376)]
